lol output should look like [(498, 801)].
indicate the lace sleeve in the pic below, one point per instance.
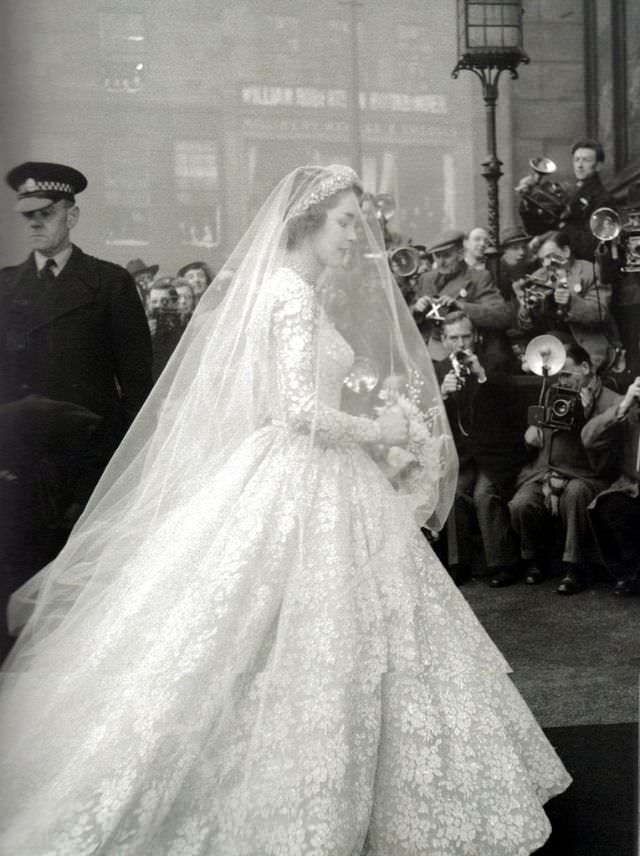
[(294, 327)]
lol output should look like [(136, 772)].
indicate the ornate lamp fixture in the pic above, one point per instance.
[(490, 42)]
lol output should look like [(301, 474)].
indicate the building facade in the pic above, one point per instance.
[(184, 116)]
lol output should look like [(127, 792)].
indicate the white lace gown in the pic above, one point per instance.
[(284, 669)]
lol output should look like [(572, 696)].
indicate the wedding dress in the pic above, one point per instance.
[(278, 665)]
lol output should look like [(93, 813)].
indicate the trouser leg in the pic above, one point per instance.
[(617, 516), (460, 522), (498, 538), (529, 518), (572, 510)]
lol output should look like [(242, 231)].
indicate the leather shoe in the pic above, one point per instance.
[(506, 576), (534, 575), (629, 586), (569, 584)]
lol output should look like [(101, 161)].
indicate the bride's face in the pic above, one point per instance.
[(332, 242)]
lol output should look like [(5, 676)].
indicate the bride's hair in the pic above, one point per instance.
[(306, 216)]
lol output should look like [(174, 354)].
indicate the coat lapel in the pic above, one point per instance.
[(73, 289)]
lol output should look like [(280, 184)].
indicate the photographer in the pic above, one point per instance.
[(516, 259), (475, 247), (615, 513), (562, 297), (587, 194), (169, 309), (454, 285), (475, 383), (564, 478)]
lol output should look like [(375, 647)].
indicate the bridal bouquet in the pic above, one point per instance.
[(414, 469)]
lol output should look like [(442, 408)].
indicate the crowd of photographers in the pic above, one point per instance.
[(538, 362)]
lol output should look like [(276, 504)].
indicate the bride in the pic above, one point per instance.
[(247, 647)]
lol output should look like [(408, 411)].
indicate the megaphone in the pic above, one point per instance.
[(545, 355)]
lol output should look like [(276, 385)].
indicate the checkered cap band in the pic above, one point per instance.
[(33, 186)]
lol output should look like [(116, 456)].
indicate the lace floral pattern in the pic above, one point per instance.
[(284, 669)]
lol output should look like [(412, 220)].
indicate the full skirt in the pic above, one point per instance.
[(281, 668)]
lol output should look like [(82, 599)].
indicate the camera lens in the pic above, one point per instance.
[(560, 407)]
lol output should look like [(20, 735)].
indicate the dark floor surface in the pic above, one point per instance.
[(576, 661)]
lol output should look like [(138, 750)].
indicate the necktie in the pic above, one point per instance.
[(47, 274)]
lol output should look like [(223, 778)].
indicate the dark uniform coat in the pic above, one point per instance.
[(83, 340)]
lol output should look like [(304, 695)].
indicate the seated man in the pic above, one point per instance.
[(565, 299), (476, 388), (615, 513), (564, 478), (453, 285)]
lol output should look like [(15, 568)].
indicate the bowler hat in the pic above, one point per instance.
[(446, 239), (513, 235), (137, 267), (39, 184)]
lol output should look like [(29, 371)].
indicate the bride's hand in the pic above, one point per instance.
[(394, 429)]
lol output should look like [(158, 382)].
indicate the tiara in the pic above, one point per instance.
[(337, 178)]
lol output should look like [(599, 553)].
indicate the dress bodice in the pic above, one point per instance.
[(310, 360), (334, 358)]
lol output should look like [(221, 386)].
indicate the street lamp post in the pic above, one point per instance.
[(490, 42), (353, 89)]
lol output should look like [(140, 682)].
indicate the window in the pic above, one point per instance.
[(123, 51), (127, 192), (197, 183)]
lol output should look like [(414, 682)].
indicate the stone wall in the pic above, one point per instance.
[(547, 101)]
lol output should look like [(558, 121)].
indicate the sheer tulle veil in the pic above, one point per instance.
[(217, 389)]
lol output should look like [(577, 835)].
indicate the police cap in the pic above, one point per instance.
[(39, 184)]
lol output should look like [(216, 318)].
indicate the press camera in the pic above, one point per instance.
[(562, 408), (622, 231), (546, 198), (461, 362), (537, 290), (166, 312)]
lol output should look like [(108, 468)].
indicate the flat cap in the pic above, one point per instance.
[(40, 184), (446, 239), (513, 235)]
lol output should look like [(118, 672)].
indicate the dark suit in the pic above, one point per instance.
[(583, 201), (82, 339), (487, 432)]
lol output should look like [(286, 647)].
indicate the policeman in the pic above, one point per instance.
[(72, 330)]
